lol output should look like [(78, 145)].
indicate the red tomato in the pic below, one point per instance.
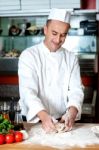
[(18, 136), (2, 139), (9, 138)]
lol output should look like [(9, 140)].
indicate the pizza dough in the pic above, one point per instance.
[(59, 127)]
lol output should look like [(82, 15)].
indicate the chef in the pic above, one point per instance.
[(49, 77)]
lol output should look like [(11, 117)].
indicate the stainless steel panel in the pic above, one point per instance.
[(9, 91), (8, 65)]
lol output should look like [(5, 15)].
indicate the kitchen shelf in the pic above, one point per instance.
[(19, 43), (85, 11), (45, 12)]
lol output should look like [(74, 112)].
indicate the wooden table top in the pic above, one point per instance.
[(17, 146), (22, 146)]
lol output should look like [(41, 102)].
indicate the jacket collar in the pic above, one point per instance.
[(47, 51)]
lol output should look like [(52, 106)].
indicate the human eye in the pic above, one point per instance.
[(54, 33), (64, 34)]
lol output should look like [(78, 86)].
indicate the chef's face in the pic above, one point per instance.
[(55, 34)]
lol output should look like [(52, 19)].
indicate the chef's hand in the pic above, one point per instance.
[(69, 118), (47, 121)]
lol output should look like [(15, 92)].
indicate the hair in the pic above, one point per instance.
[(47, 22)]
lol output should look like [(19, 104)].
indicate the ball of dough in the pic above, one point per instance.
[(60, 127)]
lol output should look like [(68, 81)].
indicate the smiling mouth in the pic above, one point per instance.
[(56, 44)]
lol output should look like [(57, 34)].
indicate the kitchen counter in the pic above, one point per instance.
[(29, 146), (39, 147)]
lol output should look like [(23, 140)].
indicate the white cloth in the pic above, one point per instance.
[(60, 15), (44, 79)]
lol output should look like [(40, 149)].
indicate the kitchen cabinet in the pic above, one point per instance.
[(9, 5), (38, 7), (34, 5), (47, 4), (31, 7), (67, 4)]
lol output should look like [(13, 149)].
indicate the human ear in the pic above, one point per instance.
[(45, 29)]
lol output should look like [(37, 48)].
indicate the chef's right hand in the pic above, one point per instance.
[(47, 121)]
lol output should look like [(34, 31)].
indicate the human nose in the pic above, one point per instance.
[(58, 39)]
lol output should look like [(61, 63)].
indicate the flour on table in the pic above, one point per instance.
[(80, 135)]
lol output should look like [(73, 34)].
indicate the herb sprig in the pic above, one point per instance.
[(5, 125)]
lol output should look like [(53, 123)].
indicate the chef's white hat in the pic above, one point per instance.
[(59, 14)]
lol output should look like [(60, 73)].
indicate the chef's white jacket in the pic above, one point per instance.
[(49, 81)]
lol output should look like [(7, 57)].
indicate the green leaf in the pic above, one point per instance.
[(5, 125)]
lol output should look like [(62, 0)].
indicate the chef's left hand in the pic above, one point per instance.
[(69, 118)]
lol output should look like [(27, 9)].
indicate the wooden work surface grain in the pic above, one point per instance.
[(39, 147)]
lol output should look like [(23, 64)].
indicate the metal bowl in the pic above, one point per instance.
[(14, 30)]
